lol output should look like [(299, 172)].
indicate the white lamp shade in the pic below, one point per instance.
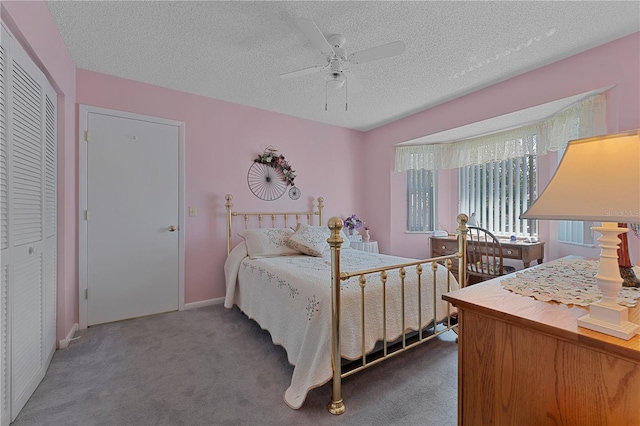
[(597, 180)]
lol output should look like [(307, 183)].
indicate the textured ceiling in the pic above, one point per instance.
[(236, 50)]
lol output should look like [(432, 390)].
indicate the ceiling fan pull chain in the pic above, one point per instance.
[(346, 94), (326, 83)]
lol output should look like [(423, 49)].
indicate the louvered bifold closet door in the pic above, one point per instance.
[(31, 199), (4, 261), (4, 212), (50, 217)]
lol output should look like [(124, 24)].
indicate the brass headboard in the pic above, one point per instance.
[(273, 215)]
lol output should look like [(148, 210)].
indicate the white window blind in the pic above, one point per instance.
[(498, 192), (420, 200)]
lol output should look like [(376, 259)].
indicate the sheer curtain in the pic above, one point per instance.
[(583, 119)]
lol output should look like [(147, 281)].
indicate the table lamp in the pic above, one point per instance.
[(598, 180)]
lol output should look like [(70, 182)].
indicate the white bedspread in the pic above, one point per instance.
[(290, 296)]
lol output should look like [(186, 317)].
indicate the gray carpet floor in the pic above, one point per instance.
[(214, 366)]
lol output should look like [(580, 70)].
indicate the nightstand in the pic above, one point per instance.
[(370, 246)]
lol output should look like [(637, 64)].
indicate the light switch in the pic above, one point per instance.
[(193, 211)]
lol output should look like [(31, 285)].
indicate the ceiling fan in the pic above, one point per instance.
[(336, 69)]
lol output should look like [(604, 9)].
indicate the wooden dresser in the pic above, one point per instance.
[(523, 361)]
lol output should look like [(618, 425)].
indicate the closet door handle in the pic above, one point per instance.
[(32, 250), (172, 228)]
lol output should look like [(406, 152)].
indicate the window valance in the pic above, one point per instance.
[(583, 119)]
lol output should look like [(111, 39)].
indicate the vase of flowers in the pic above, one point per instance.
[(353, 223)]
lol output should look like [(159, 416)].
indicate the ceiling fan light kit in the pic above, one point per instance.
[(335, 81), (336, 68)]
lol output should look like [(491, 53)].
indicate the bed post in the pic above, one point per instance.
[(336, 405), (228, 205), (320, 207), (462, 248)]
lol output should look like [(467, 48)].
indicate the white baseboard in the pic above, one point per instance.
[(65, 342), (203, 303)]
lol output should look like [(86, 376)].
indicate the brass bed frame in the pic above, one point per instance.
[(335, 224)]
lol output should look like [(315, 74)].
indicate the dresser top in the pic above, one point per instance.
[(553, 318)]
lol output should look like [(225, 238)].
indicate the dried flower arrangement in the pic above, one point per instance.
[(271, 158)]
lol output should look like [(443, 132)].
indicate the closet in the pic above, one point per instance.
[(27, 227)]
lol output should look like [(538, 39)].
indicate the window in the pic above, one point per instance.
[(498, 171), (499, 192), (420, 200)]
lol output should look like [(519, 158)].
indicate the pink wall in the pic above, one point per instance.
[(32, 25), (615, 63), (222, 139)]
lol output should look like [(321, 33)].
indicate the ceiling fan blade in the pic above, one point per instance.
[(375, 53), (304, 71), (313, 33), (353, 83)]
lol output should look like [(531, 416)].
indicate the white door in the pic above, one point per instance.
[(132, 218)]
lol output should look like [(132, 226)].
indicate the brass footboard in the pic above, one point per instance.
[(336, 405)]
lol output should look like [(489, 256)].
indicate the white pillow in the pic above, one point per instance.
[(346, 243), (311, 240), (267, 242)]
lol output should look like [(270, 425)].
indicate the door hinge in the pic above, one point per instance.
[(86, 135), (86, 294), (86, 215)]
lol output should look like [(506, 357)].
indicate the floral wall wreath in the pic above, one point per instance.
[(276, 161), (269, 176)]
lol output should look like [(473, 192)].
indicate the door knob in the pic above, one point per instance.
[(172, 228)]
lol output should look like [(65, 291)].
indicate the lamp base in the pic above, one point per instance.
[(609, 319), (606, 316)]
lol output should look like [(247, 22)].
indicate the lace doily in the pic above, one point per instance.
[(568, 281)]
